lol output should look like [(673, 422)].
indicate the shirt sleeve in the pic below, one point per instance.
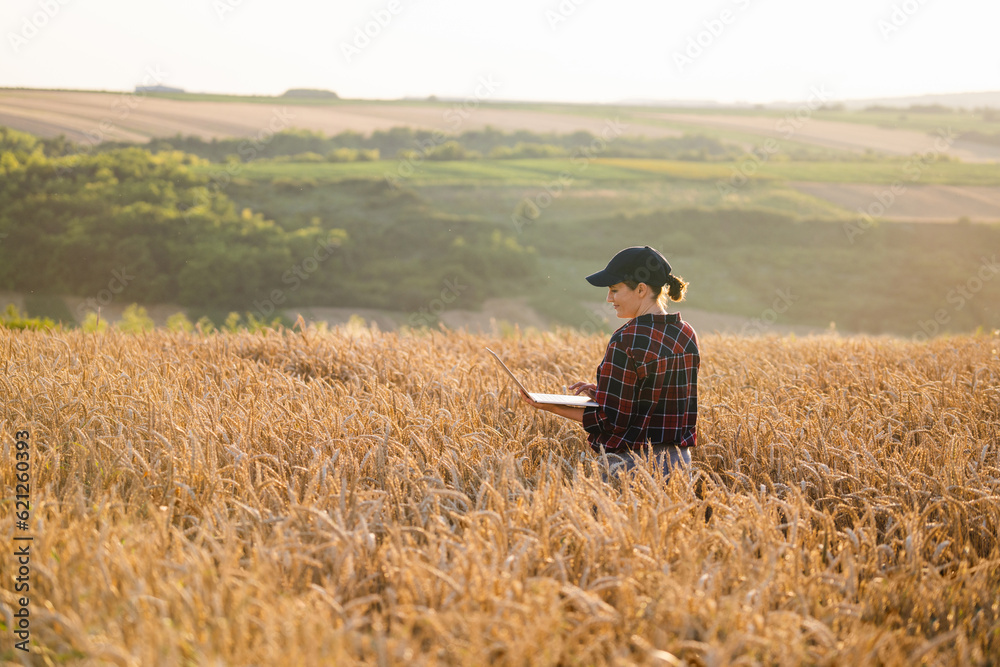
[(615, 395)]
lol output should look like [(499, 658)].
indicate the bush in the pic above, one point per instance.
[(93, 323), (135, 320), (308, 157), (179, 322), (12, 319), (451, 150), (534, 150), (204, 325), (342, 155)]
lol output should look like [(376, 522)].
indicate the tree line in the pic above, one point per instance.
[(309, 145), (135, 225)]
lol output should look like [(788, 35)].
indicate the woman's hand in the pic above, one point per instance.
[(527, 399), (568, 411), (583, 388)]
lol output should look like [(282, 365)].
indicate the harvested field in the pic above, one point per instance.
[(925, 203), (838, 135), (290, 498), (50, 113), (80, 114)]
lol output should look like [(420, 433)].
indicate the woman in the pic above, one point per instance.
[(647, 384)]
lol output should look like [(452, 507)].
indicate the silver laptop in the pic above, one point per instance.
[(550, 399)]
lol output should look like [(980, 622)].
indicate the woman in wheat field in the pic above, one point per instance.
[(647, 384)]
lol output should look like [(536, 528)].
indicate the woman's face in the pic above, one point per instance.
[(626, 301)]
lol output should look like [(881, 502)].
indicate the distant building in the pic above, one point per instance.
[(158, 89)]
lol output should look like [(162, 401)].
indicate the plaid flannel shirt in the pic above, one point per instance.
[(647, 386)]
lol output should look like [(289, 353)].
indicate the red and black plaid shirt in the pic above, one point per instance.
[(647, 386)]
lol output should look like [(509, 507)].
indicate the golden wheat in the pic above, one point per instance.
[(343, 497)]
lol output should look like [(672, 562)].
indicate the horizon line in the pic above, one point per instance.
[(438, 98)]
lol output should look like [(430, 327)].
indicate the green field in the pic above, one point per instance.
[(620, 170)]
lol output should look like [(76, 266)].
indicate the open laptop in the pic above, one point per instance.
[(551, 399)]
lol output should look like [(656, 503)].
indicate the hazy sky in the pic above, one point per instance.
[(569, 50)]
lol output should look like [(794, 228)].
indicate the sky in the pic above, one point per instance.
[(728, 51)]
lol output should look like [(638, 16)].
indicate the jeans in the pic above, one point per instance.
[(667, 457)]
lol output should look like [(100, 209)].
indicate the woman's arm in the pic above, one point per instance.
[(567, 411)]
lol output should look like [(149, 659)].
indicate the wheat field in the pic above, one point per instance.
[(352, 496)]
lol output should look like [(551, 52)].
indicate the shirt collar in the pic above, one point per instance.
[(656, 317)]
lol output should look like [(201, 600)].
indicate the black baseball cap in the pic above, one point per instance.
[(640, 264)]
